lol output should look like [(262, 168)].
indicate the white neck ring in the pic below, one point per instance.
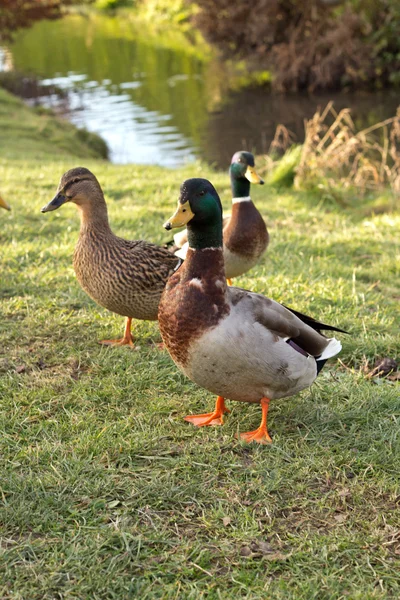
[(244, 199)]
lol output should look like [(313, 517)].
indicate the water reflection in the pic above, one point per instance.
[(141, 93), (159, 99)]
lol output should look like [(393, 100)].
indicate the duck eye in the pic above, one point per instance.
[(202, 193), (183, 209)]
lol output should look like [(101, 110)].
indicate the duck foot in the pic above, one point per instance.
[(228, 281), (214, 418), (127, 340), (260, 435)]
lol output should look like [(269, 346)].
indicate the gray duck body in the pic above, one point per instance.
[(233, 342)]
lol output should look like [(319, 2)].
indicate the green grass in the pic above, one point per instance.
[(106, 493)]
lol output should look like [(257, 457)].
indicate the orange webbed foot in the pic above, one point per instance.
[(127, 340), (214, 418), (122, 342), (259, 435), (228, 281)]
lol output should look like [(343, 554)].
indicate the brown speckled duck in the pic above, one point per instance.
[(4, 204), (232, 342), (244, 231), (126, 277)]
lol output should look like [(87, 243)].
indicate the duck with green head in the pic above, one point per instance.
[(245, 234), (125, 276), (237, 344)]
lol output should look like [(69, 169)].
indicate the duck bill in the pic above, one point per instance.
[(181, 217), (57, 201), (4, 204), (252, 175)]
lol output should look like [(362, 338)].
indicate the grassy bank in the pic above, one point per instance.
[(105, 491)]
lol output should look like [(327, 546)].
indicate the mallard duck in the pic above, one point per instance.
[(237, 344), (245, 233), (4, 204), (126, 277)]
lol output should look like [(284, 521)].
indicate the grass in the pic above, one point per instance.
[(106, 492)]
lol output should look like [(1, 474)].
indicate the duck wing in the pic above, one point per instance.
[(150, 257), (281, 321), (317, 325)]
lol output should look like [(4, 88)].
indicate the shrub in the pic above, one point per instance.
[(17, 14), (311, 44)]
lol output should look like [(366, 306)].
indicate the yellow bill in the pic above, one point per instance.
[(4, 204), (181, 217), (252, 175)]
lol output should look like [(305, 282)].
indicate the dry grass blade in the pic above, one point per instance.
[(334, 151)]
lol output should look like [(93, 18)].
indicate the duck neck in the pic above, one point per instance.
[(94, 216), (205, 236), (205, 265), (205, 258), (240, 187)]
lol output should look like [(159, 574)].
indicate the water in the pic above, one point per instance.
[(159, 99)]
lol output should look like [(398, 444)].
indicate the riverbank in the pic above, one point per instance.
[(37, 133), (106, 492)]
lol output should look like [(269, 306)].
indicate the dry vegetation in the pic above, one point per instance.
[(310, 44), (368, 159), (336, 156)]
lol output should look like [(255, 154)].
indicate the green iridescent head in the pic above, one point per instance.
[(199, 207), (242, 173)]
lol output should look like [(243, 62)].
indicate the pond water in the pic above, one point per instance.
[(158, 98)]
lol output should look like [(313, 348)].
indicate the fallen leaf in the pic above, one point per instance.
[(276, 556), (226, 521), (261, 547), (340, 518)]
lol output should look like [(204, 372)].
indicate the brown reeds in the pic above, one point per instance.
[(339, 155)]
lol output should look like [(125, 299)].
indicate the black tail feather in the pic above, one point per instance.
[(320, 364), (317, 325)]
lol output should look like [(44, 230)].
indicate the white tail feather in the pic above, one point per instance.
[(333, 348)]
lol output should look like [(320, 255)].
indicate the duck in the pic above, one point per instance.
[(235, 343), (4, 204), (245, 233), (126, 277)]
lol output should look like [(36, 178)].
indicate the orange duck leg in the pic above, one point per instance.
[(260, 435), (127, 340), (214, 418)]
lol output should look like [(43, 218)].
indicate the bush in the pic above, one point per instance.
[(312, 44), (17, 14)]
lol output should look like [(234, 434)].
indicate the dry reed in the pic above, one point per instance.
[(339, 155)]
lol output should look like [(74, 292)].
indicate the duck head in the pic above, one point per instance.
[(199, 207), (77, 185), (242, 172), (4, 204)]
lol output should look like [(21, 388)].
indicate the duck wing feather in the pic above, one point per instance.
[(281, 321)]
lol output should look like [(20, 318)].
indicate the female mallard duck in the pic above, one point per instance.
[(244, 231), (4, 204), (126, 277), (235, 343)]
